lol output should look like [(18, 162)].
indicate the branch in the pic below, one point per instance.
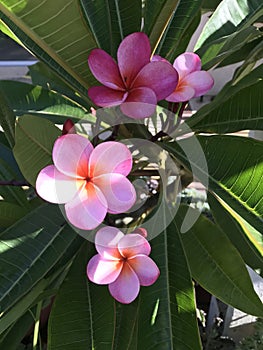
[(14, 183)]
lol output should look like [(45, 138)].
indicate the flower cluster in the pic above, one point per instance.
[(92, 181)]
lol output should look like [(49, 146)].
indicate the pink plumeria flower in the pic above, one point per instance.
[(123, 263), (193, 81), (135, 83), (89, 181)]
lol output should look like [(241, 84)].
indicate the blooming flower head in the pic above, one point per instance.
[(193, 81), (123, 263), (89, 181), (135, 83)]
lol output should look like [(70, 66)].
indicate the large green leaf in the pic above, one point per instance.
[(167, 318), (174, 40), (29, 249), (217, 266), (55, 32), (229, 17), (249, 245), (239, 106), (35, 138), (82, 316), (10, 213), (7, 119), (116, 18), (235, 168), (29, 99)]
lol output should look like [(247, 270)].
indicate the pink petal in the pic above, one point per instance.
[(157, 58), (145, 268), (182, 93), (132, 244), (102, 271), (187, 63), (105, 69), (106, 241), (71, 154), (161, 77), (118, 191), (88, 208), (200, 81), (126, 287), (110, 157), (55, 187), (103, 96), (134, 52), (140, 103)]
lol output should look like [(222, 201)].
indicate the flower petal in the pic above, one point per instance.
[(118, 191), (103, 96), (55, 187), (182, 93), (110, 157), (105, 69), (102, 271), (106, 241), (159, 76), (145, 268), (133, 53), (126, 287), (71, 155), (201, 81), (140, 103), (88, 208), (132, 244), (187, 63)]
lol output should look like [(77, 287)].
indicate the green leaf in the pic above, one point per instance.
[(242, 237), (178, 27), (217, 266), (82, 316), (10, 213), (235, 167), (116, 18), (157, 16), (29, 249), (25, 98), (229, 17), (210, 5), (35, 138), (44, 29), (7, 119), (239, 106), (167, 317)]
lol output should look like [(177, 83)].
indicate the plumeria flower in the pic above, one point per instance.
[(89, 181), (123, 263), (135, 83), (193, 81)]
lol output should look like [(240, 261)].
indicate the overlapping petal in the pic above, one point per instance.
[(200, 81), (71, 155), (55, 187), (126, 287), (133, 54), (103, 96), (145, 268), (102, 271), (140, 103), (88, 208), (187, 63), (118, 191), (110, 157), (132, 244), (159, 76), (105, 69), (182, 93), (106, 241)]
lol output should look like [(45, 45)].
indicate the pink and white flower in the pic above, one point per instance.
[(89, 181), (135, 83), (193, 81), (123, 263)]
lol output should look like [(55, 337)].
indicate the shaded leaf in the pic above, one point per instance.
[(10, 213), (7, 119)]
